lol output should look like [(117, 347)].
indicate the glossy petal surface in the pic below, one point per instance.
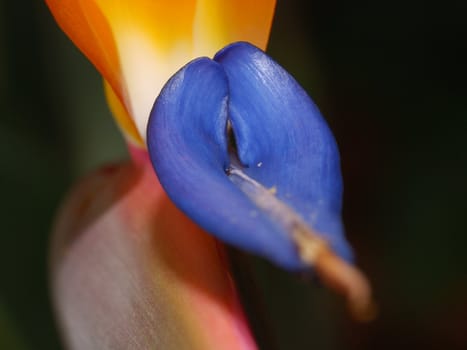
[(282, 142), (137, 45)]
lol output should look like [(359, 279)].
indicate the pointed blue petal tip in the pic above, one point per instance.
[(241, 116)]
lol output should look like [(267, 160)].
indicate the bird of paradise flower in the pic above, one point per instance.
[(130, 270)]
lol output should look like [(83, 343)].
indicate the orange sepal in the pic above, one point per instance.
[(88, 28), (138, 45), (121, 115)]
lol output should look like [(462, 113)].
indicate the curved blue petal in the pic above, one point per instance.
[(187, 143), (282, 143)]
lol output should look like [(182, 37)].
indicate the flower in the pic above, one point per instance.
[(128, 269), (237, 145)]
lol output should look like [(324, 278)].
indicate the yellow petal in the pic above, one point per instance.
[(138, 45)]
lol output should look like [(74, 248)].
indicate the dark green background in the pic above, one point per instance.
[(390, 79)]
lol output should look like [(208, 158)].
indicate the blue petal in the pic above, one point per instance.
[(282, 143), (187, 142)]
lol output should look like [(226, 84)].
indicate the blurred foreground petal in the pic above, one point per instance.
[(130, 271)]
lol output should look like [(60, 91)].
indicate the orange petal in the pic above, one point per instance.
[(88, 27), (130, 271), (138, 45), (121, 115)]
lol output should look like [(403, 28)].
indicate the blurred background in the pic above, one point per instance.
[(390, 79)]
